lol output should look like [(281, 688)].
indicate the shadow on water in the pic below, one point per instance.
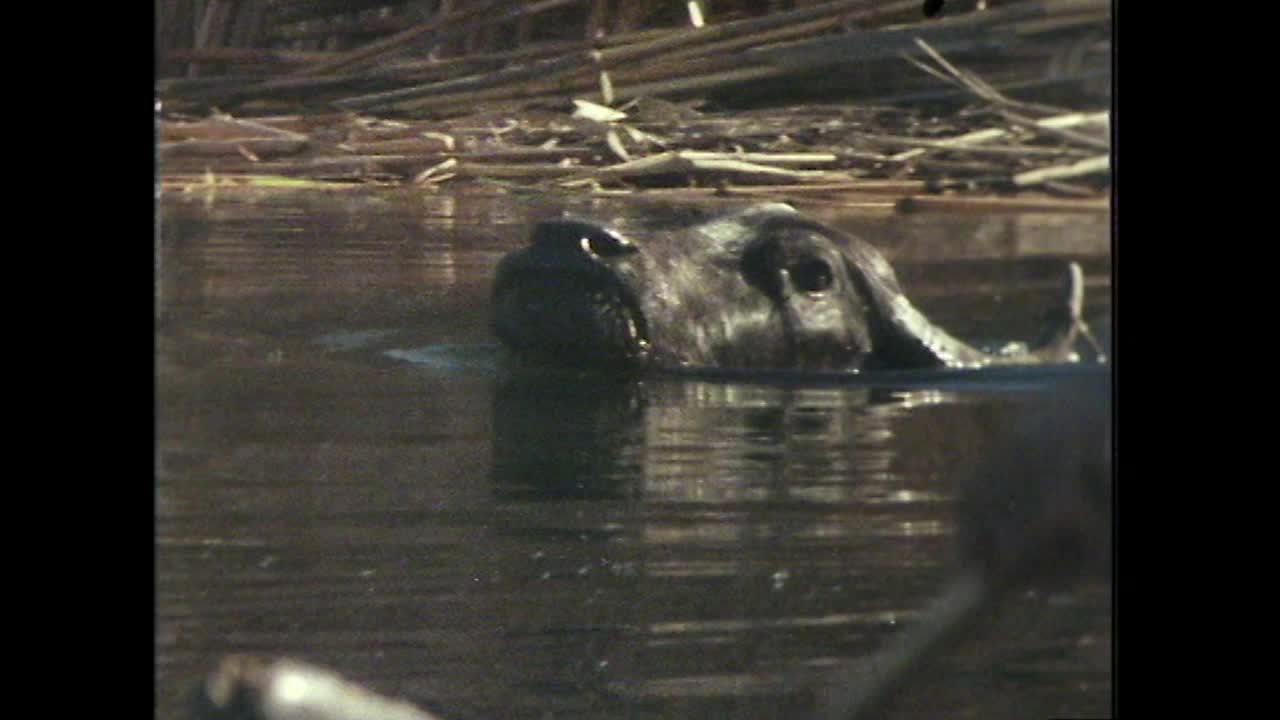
[(350, 475)]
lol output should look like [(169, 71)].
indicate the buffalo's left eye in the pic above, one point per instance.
[(811, 275)]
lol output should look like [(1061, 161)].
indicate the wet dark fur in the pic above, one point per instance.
[(762, 287)]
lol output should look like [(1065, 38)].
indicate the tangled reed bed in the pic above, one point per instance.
[(870, 110)]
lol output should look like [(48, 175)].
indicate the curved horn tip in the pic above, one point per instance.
[(1075, 289)]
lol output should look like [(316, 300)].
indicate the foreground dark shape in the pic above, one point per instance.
[(1036, 512), (244, 687), (757, 288)]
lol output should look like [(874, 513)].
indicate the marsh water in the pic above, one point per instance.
[(349, 472)]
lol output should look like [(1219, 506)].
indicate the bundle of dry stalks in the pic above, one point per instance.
[(638, 110)]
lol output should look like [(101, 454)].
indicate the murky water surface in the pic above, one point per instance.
[(349, 475)]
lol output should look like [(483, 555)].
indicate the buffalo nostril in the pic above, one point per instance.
[(564, 238), (604, 245)]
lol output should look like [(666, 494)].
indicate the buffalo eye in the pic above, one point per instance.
[(765, 264), (811, 275)]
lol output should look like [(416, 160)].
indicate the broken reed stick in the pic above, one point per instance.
[(195, 181), (966, 148), (245, 56), (886, 188), (1088, 166), (225, 127), (1057, 125), (418, 148), (971, 82), (960, 203), (514, 170), (865, 187), (1063, 188), (399, 166), (770, 158), (739, 193), (1072, 119), (1061, 125), (256, 147), (712, 81), (688, 162)]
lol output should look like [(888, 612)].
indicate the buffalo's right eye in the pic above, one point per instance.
[(811, 275)]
